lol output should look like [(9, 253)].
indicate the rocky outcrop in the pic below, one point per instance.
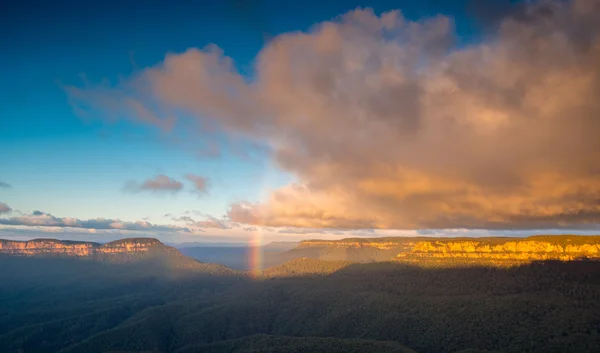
[(53, 247)]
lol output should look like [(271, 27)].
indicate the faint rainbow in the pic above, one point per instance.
[(257, 239), (256, 253)]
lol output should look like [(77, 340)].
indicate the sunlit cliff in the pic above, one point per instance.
[(499, 251), (505, 251)]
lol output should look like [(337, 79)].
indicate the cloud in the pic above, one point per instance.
[(159, 184), (4, 208), (208, 222), (4, 185), (200, 183), (386, 124), (212, 222), (42, 219)]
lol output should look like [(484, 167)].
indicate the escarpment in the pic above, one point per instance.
[(53, 247), (431, 251), (505, 251), (383, 245)]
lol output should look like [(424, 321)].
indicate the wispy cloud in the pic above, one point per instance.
[(4, 208), (159, 184), (386, 124), (5, 185), (42, 219), (212, 222), (208, 222)]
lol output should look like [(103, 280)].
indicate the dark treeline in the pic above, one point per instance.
[(70, 305)]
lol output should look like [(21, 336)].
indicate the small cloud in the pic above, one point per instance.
[(200, 183), (159, 184), (4, 208), (5, 185), (209, 222), (185, 219), (212, 222)]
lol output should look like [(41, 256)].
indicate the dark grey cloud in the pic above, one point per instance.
[(5, 185), (42, 219), (159, 184)]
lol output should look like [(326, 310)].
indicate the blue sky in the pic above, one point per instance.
[(62, 164)]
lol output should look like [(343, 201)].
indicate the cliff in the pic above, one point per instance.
[(504, 251), (383, 245), (149, 253), (53, 247), (430, 251)]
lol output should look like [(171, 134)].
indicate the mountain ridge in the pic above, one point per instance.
[(421, 251), (451, 251), (55, 247)]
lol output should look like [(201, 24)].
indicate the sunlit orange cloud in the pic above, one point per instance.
[(387, 124)]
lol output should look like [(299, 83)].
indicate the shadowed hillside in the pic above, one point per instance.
[(72, 304)]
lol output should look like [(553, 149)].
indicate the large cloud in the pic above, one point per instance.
[(387, 125), (42, 219)]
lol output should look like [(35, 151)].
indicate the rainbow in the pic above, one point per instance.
[(255, 260), (256, 253)]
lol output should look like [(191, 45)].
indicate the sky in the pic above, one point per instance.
[(250, 120)]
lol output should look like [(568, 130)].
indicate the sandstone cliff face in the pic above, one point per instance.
[(473, 250), (53, 247), (511, 250), (350, 244)]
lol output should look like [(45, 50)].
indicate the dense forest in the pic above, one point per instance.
[(307, 305)]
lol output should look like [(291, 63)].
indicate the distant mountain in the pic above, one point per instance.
[(208, 244), (233, 257), (280, 245), (242, 257)]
